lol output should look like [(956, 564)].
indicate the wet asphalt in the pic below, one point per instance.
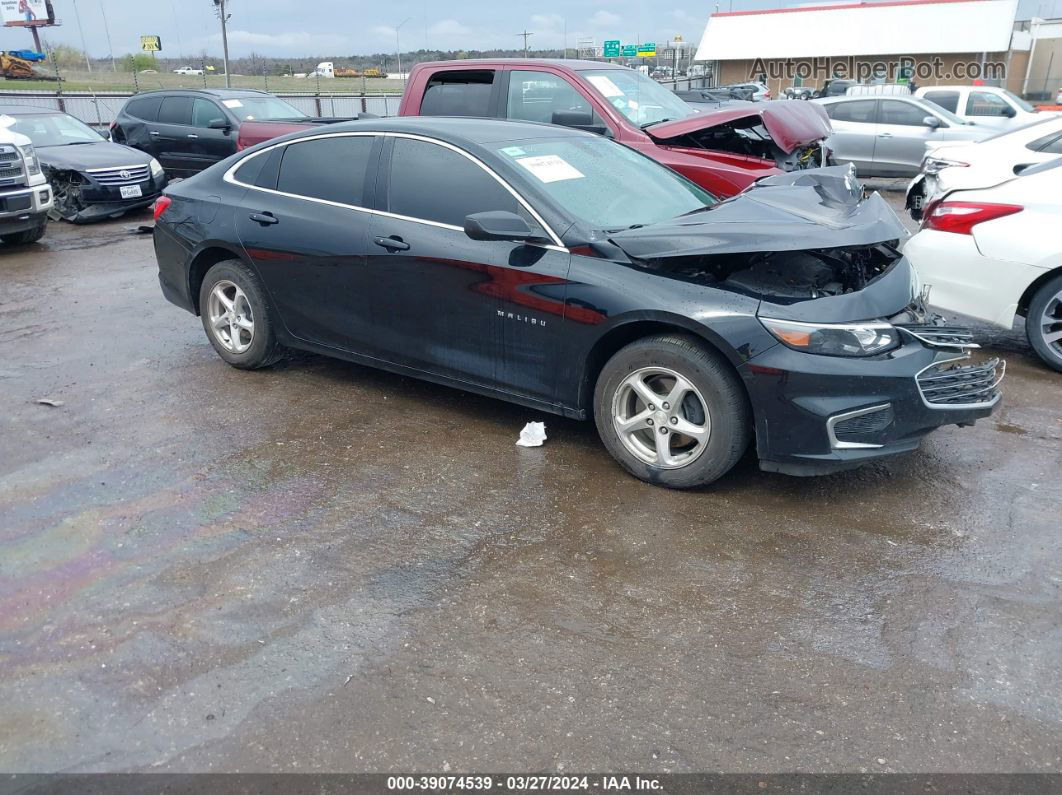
[(321, 567)]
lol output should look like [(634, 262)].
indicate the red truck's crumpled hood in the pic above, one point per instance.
[(791, 123)]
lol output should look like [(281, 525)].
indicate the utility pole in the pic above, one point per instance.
[(177, 29), (107, 30), (525, 34), (398, 46), (223, 15), (81, 31)]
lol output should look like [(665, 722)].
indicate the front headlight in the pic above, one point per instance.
[(834, 339), (156, 168), (33, 167)]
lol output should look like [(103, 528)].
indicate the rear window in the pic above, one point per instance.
[(176, 110), (458, 94), (332, 169), (146, 108)]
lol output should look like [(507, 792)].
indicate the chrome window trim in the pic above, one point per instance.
[(230, 177), (119, 168), (836, 444)]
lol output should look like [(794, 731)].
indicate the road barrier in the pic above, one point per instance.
[(100, 109)]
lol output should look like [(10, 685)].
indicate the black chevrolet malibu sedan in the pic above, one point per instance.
[(92, 178), (565, 272)]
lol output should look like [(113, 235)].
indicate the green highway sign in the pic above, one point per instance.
[(629, 51), (612, 48)]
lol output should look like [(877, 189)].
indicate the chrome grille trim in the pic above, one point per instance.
[(119, 175), (943, 387)]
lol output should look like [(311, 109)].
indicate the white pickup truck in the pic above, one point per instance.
[(187, 70), (25, 196)]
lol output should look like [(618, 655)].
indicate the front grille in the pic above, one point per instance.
[(942, 336), (11, 175), (858, 429), (121, 175), (8, 155), (951, 384)]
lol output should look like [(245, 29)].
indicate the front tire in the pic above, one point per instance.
[(672, 412), (235, 314), (1043, 324), (26, 236)]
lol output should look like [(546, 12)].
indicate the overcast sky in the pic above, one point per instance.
[(340, 27)]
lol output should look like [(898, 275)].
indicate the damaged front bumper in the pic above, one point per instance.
[(80, 198), (821, 414)]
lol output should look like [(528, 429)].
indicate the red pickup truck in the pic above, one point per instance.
[(723, 149)]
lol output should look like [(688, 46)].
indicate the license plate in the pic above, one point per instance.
[(131, 191)]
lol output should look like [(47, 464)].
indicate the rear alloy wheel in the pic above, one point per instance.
[(1043, 323), (235, 316), (672, 412)]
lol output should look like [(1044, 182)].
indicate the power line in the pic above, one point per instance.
[(525, 34)]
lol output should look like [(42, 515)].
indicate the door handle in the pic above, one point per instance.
[(153, 132), (192, 135), (393, 243), (265, 218), (884, 135)]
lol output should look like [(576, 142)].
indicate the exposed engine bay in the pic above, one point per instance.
[(748, 136), (785, 276), (70, 205)]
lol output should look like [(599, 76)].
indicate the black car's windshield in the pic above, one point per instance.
[(55, 129), (604, 184), (642, 100), (262, 109)]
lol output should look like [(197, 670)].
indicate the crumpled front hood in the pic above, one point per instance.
[(790, 123), (811, 209)]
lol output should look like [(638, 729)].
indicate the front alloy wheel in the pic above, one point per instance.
[(661, 418), (672, 411)]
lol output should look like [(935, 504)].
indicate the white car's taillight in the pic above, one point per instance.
[(962, 217)]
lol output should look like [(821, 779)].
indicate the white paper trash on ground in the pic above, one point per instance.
[(533, 435)]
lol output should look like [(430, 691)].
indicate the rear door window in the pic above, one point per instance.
[(949, 100), (145, 108), (176, 110), (332, 169), (451, 93), (432, 183), (1049, 144), (860, 112)]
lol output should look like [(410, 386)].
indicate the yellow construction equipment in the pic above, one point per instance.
[(15, 68), (372, 71)]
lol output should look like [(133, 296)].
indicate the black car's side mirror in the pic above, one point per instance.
[(497, 225), (931, 121), (578, 120), (219, 124)]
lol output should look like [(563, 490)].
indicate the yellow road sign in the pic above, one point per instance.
[(151, 43)]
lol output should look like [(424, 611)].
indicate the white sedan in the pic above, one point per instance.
[(961, 166), (992, 253)]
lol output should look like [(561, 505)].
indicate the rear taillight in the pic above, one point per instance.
[(160, 206), (962, 217)]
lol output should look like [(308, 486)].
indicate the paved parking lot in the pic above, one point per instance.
[(324, 567)]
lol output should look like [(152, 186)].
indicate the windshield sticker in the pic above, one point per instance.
[(232, 103), (513, 151), (605, 86), (550, 168)]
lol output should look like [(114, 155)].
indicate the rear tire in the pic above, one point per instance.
[(1044, 320), (236, 316), (26, 236), (691, 443)]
